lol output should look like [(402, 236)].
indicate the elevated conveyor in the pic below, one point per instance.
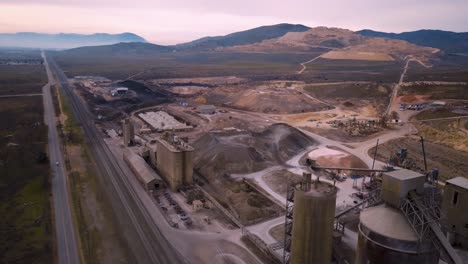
[(422, 217)]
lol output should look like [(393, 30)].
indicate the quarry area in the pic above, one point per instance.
[(293, 172)]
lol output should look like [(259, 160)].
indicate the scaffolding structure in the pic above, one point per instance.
[(288, 224), (423, 214)]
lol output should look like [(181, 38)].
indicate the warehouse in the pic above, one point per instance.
[(145, 174), (161, 120), (207, 109)]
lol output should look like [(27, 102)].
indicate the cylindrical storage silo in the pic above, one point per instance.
[(386, 237), (313, 217)]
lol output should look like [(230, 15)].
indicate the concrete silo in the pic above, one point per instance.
[(385, 236), (313, 218)]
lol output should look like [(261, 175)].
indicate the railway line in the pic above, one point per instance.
[(144, 238)]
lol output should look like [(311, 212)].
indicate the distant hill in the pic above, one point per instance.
[(340, 44), (64, 41), (313, 39), (119, 49), (447, 41), (243, 37)]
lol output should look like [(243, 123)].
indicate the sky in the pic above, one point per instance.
[(177, 21)]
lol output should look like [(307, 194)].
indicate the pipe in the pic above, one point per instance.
[(424, 154), (375, 153)]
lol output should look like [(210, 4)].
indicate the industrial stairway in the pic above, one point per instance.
[(423, 215)]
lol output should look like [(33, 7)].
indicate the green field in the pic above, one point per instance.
[(450, 162), (325, 70), (178, 65), (447, 68), (436, 113), (21, 79), (25, 225), (259, 66), (349, 90)]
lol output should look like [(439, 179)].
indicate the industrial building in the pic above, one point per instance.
[(386, 236), (152, 149), (145, 174), (128, 132), (162, 121), (406, 227), (206, 109), (397, 184), (174, 160), (399, 220), (119, 91), (454, 211)]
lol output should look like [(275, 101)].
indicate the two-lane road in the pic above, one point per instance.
[(67, 247)]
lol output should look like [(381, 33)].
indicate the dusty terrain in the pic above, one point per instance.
[(276, 98), (279, 181), (334, 157), (220, 154), (356, 55), (273, 97), (451, 163), (369, 98), (249, 151)]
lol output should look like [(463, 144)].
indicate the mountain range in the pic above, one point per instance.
[(274, 38), (64, 41)]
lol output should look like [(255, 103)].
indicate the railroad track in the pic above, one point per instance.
[(143, 236)]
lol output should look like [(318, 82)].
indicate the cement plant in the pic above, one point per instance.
[(280, 144)]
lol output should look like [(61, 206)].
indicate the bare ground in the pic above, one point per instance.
[(450, 162), (277, 232), (280, 180)]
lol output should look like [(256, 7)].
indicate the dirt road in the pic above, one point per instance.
[(303, 64), (393, 104)]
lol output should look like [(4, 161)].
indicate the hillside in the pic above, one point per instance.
[(341, 44), (243, 37), (321, 38), (64, 41), (447, 41), (119, 49)]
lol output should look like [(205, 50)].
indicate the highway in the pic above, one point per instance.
[(20, 95), (144, 238), (67, 247)]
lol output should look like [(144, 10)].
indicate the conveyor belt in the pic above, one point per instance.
[(427, 227)]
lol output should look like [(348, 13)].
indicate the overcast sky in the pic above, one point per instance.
[(175, 21)]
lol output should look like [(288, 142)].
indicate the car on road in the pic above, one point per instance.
[(183, 217), (57, 163)]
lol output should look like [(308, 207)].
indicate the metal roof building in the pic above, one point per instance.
[(145, 174), (207, 109)]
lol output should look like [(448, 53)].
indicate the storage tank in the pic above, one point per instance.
[(386, 236), (313, 218)]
